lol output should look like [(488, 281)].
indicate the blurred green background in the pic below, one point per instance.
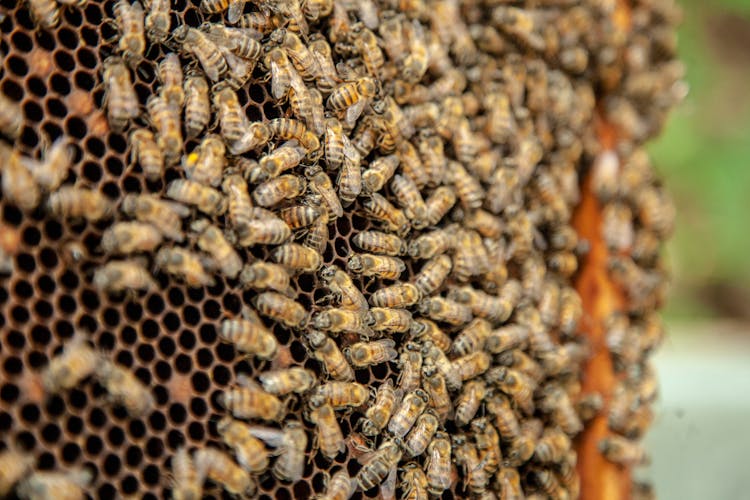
[(704, 157)]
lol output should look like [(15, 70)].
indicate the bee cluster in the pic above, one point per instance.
[(322, 247)]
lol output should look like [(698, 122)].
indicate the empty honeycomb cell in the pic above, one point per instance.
[(17, 66), (66, 304), (74, 426), (55, 107), (70, 452), (41, 334), (83, 80), (20, 40)]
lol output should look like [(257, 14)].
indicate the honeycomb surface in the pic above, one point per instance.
[(553, 66)]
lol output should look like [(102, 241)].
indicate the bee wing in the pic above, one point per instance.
[(181, 210), (234, 12), (354, 112), (278, 86), (388, 488), (271, 436)]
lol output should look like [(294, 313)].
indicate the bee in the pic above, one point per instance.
[(288, 128), (249, 450), (241, 210), (506, 338), (623, 451), (204, 49), (439, 204), (17, 181), (410, 367), (422, 434), (403, 419), (123, 275), (467, 456), (352, 98), (366, 43), (424, 329), (589, 405), (395, 296), (438, 464), (433, 274), (147, 152), (302, 58), (428, 245), (330, 439), (299, 216), (553, 446), (384, 459), (76, 362), (274, 191), (124, 388), (317, 237), (376, 265), (508, 481), (291, 443), (250, 335), (366, 135), (15, 465), (240, 41), (185, 483), (363, 354), (334, 143), (341, 285), (297, 257), (381, 243), (504, 418), (571, 310), (380, 171), (281, 308), (11, 117), (122, 101), (170, 75), (189, 266), (549, 303), (434, 384), (340, 394), (157, 24), (327, 78), (284, 381), (79, 203), (407, 192), (220, 468), (445, 310), (326, 351), (340, 320), (197, 104), (282, 71), (433, 161), (206, 164), (166, 216), (468, 189), (350, 176), (321, 185), (278, 161), (468, 402), (166, 121), (51, 172), (231, 117), (472, 338), (207, 199), (130, 237), (378, 414), (434, 355), (494, 309), (655, 210), (212, 241), (130, 21), (472, 365), (71, 484), (392, 219), (261, 22), (266, 276), (515, 384), (249, 400), (519, 360), (488, 444), (381, 319), (340, 486), (471, 257), (564, 263)]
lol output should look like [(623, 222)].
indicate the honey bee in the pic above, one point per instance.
[(266, 276), (220, 468), (403, 419), (248, 400), (170, 75), (334, 143), (15, 465), (71, 484), (186, 483), (433, 161), (231, 117), (250, 335), (340, 320), (249, 450), (468, 402), (288, 128), (297, 257), (623, 451), (206, 164), (505, 421), (468, 189), (438, 464), (340, 394), (472, 338), (321, 185), (291, 443), (11, 117), (424, 329), (421, 435), (317, 237), (278, 189), (340, 486), (352, 98), (191, 267), (553, 446), (122, 101), (381, 243), (51, 172), (506, 338), (240, 41), (470, 258), (76, 362), (18, 183), (563, 262), (299, 216), (378, 414), (123, 275), (516, 358), (79, 203), (413, 482), (363, 354), (278, 161), (301, 57), (410, 367), (488, 444), (445, 310), (380, 171), (589, 405), (350, 176), (395, 296), (407, 192), (515, 384), (428, 245), (284, 381), (380, 465), (549, 483), (366, 135), (130, 21), (655, 210), (130, 237), (381, 319), (328, 78), (433, 383), (439, 204), (571, 310), (433, 274), (433, 354), (197, 104), (281, 71), (330, 438), (148, 153), (341, 285), (166, 121), (326, 351), (124, 388), (382, 210), (281, 308), (366, 44), (166, 216), (204, 49), (467, 456), (376, 265), (494, 309), (207, 199), (212, 241), (472, 365)]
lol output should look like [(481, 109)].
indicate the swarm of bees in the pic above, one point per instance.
[(440, 347)]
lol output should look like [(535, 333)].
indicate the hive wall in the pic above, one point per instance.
[(168, 337)]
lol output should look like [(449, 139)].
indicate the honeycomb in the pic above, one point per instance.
[(554, 92)]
